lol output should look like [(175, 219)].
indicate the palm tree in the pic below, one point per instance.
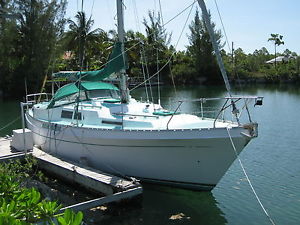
[(81, 37), (277, 41), (157, 41)]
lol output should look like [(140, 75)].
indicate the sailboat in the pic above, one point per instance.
[(101, 125)]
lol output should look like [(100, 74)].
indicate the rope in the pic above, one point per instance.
[(249, 181), (10, 123)]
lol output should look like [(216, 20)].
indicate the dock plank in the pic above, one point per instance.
[(84, 175), (115, 188), (104, 200)]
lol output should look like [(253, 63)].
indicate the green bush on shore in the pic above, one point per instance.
[(20, 205)]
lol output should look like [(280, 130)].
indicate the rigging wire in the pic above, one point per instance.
[(143, 70), (190, 6), (161, 21), (143, 56), (137, 24), (248, 179), (128, 49), (148, 74), (81, 62), (92, 9), (172, 77), (230, 50), (222, 25), (158, 77)]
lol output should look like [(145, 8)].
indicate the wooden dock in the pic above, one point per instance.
[(88, 177), (115, 188)]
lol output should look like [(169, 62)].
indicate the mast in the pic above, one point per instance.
[(121, 34), (214, 44)]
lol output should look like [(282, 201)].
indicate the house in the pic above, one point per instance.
[(281, 59)]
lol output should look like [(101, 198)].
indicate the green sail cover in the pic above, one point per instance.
[(115, 64), (73, 88)]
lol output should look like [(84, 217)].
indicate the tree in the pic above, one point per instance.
[(30, 34), (277, 41), (134, 45), (201, 50), (183, 69), (81, 38), (8, 41), (156, 43)]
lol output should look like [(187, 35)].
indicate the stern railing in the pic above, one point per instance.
[(37, 97)]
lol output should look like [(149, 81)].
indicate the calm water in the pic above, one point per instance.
[(272, 161)]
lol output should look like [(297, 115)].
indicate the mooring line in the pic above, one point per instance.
[(249, 181), (10, 123)]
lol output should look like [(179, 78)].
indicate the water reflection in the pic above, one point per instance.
[(164, 205)]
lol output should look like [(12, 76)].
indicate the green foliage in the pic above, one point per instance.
[(253, 66), (28, 42), (70, 218), (201, 50), (33, 43), (277, 39), (133, 43), (81, 39), (183, 69), (19, 205), (155, 45)]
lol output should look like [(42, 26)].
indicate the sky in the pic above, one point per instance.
[(248, 24)]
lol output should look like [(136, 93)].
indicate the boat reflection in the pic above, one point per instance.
[(166, 205)]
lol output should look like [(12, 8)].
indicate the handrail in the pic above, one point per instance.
[(128, 114), (229, 101), (35, 96), (224, 107), (180, 103), (220, 98)]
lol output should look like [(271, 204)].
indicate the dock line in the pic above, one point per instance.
[(10, 123), (248, 179)]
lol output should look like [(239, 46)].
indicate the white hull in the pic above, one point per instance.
[(196, 158)]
